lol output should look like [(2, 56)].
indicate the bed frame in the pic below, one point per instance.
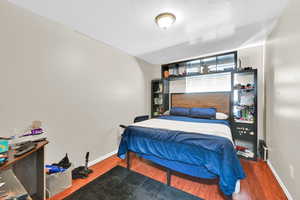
[(218, 100)]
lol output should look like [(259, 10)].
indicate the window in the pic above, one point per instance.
[(220, 82), (216, 63), (193, 67), (178, 86), (211, 63), (209, 83), (226, 62)]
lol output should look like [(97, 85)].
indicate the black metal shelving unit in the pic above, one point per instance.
[(243, 118), (244, 112), (159, 97), (220, 63)]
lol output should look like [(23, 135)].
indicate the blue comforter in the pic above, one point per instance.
[(216, 154)]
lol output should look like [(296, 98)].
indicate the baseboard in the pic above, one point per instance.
[(93, 162), (287, 193)]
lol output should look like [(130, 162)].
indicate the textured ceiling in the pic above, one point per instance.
[(202, 26)]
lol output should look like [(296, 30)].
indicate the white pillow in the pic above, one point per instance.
[(220, 115)]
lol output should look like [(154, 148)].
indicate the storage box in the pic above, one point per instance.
[(58, 182)]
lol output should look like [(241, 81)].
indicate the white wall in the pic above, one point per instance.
[(283, 97), (151, 72), (81, 89)]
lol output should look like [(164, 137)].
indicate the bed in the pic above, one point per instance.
[(194, 146)]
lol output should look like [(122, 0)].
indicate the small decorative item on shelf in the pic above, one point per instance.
[(244, 114), (181, 71), (238, 86), (247, 87), (161, 110), (240, 65), (173, 72), (205, 69), (157, 113), (166, 74), (243, 151), (160, 88), (158, 101), (201, 70), (247, 68)]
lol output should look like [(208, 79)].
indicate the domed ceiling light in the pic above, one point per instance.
[(165, 20)]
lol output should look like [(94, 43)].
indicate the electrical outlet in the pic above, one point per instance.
[(292, 171)]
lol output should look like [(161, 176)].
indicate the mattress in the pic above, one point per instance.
[(214, 129)]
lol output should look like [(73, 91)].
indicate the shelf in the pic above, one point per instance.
[(244, 137), (12, 160), (245, 89), (247, 158), (159, 96), (244, 132), (243, 121), (244, 107), (218, 63), (240, 105), (245, 155), (250, 146), (13, 186), (174, 77), (245, 72)]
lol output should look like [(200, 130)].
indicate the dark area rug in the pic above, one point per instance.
[(122, 184)]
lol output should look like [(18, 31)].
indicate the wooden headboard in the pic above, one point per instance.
[(218, 100)]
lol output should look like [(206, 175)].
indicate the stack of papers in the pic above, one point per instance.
[(33, 138)]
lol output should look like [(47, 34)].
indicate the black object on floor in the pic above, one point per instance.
[(122, 184), (64, 163), (83, 171)]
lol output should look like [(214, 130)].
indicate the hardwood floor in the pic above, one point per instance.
[(260, 183)]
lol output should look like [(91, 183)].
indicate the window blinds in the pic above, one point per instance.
[(220, 82)]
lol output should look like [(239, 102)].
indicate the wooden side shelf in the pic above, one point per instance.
[(28, 170), (12, 184), (12, 160)]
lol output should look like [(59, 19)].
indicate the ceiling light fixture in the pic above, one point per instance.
[(165, 20)]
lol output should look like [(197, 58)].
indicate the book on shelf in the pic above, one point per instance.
[(243, 121), (246, 153)]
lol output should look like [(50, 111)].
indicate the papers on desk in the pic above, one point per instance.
[(33, 138)]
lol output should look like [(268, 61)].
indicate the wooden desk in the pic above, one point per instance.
[(29, 169)]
